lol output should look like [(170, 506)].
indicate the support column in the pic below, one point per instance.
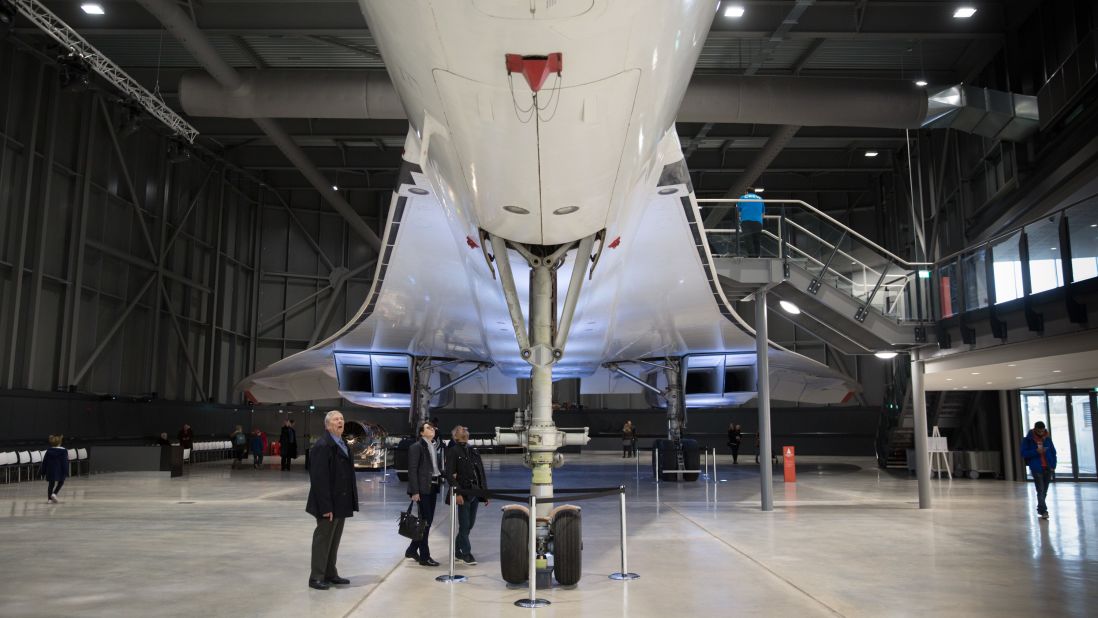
[(1008, 442), (762, 385), (918, 402)]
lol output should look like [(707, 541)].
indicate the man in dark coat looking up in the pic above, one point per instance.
[(333, 497)]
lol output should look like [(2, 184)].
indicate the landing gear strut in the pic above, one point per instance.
[(541, 346)]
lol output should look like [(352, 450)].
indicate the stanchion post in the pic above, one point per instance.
[(533, 600), (705, 464), (451, 578), (624, 574), (385, 465), (656, 452)]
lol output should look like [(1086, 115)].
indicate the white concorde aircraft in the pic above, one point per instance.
[(542, 132)]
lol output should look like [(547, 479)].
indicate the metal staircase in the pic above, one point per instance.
[(852, 293)]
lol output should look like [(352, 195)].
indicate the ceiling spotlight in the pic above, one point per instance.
[(760, 189), (988, 382), (949, 379), (335, 187), (1055, 371), (735, 10), (93, 8), (1017, 377), (789, 307), (885, 355), (975, 373), (920, 83), (871, 153), (1011, 365), (964, 12)]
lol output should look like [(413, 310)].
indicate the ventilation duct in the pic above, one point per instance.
[(794, 101), (988, 113)]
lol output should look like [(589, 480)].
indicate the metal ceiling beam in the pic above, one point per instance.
[(188, 34)]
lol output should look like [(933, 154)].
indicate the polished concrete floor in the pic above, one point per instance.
[(846, 539)]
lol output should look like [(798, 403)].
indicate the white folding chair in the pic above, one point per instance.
[(36, 461), (23, 461), (7, 461), (72, 459)]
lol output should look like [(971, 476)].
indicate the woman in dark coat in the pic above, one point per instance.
[(55, 467)]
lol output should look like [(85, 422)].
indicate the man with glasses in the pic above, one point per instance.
[(1039, 453), (425, 468)]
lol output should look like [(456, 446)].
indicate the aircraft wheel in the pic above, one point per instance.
[(514, 545), (567, 547)]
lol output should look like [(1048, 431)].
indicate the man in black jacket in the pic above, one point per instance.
[(465, 470), (424, 478), (287, 440), (333, 497)]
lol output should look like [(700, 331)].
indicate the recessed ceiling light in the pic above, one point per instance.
[(871, 153), (518, 210), (988, 382), (1017, 377), (1012, 365), (1053, 248), (1094, 225), (335, 187), (1055, 371), (975, 373), (920, 82), (885, 355), (964, 12), (949, 379), (92, 8), (964, 387), (734, 11), (789, 307), (760, 189)]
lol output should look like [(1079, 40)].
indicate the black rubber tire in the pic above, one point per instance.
[(514, 546), (691, 457), (567, 547)]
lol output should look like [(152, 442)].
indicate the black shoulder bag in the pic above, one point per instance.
[(411, 526)]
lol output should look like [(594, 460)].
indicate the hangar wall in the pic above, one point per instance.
[(132, 264)]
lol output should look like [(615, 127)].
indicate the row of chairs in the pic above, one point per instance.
[(31, 461), (208, 451)]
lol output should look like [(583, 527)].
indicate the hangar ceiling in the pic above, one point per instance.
[(908, 40)]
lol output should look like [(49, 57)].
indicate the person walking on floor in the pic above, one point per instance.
[(257, 449), (735, 438), (333, 497), (628, 439), (464, 470), (186, 440), (287, 440), (239, 441), (425, 468), (55, 468), (1039, 453)]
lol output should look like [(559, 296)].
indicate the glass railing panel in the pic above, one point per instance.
[(974, 275), (1007, 268), (1083, 231), (1045, 264)]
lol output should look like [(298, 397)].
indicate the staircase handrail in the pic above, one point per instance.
[(823, 215)]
